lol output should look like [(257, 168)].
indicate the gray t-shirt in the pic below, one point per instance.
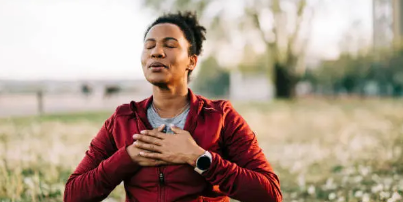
[(156, 121)]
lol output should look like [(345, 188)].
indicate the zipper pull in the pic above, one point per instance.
[(162, 178)]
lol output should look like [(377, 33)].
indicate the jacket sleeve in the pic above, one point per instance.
[(101, 170), (247, 175)]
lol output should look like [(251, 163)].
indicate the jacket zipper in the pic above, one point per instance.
[(161, 184), (161, 176)]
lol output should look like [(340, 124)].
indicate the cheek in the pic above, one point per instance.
[(181, 58), (144, 58)]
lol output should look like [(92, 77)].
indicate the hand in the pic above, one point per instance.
[(134, 154), (178, 148)]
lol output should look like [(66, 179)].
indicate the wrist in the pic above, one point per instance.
[(192, 158)]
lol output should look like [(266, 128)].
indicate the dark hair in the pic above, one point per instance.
[(189, 24)]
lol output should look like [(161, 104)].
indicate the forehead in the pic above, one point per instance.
[(163, 30)]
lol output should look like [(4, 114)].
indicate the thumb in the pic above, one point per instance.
[(161, 128)]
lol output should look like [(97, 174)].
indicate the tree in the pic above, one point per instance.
[(282, 47), (277, 24)]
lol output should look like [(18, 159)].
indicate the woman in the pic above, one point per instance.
[(209, 153)]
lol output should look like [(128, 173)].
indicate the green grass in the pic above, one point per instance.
[(322, 150), (96, 117)]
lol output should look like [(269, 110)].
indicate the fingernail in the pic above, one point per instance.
[(171, 125), (142, 153), (143, 132), (135, 136)]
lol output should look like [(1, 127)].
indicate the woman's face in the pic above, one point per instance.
[(165, 57)]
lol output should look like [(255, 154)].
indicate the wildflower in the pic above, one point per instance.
[(311, 190), (358, 194), (332, 196)]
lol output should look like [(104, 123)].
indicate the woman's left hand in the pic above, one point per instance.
[(178, 148)]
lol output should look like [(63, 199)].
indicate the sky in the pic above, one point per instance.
[(102, 39)]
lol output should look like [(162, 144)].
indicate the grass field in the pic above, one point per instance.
[(322, 150)]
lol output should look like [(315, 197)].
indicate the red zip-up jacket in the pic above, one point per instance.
[(239, 168)]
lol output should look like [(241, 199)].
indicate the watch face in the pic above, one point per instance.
[(203, 163)]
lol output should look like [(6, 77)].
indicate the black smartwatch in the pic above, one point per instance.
[(203, 163)]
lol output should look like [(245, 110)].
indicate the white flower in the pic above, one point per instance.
[(330, 184), (349, 171), (332, 196), (341, 199), (29, 182), (301, 180), (377, 188), (311, 190), (364, 170), (358, 194), (384, 194), (395, 197), (358, 179), (366, 198), (345, 180)]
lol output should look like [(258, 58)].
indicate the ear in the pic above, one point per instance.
[(193, 62)]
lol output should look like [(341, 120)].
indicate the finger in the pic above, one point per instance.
[(143, 150), (161, 162), (136, 136), (158, 162), (147, 139), (154, 133), (157, 156), (161, 128), (144, 132), (175, 129), (146, 146)]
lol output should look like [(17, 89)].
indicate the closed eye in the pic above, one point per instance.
[(149, 45), (168, 46)]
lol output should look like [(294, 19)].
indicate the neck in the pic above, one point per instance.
[(169, 100)]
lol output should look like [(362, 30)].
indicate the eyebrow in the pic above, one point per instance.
[(165, 39)]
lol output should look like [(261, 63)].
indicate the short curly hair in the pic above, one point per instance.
[(189, 24)]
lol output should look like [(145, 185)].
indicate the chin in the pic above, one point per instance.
[(157, 82)]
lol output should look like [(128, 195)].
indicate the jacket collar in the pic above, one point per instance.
[(196, 104)]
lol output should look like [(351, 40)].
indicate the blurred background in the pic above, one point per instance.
[(320, 81)]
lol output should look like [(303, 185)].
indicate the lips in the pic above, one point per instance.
[(157, 64)]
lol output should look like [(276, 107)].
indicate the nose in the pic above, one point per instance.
[(157, 52)]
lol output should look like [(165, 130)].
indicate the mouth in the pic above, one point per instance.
[(157, 65)]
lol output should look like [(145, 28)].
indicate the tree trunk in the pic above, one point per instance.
[(284, 81)]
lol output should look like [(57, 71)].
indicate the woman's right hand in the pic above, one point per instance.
[(134, 154)]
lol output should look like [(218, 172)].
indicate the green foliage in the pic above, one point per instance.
[(363, 75)]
